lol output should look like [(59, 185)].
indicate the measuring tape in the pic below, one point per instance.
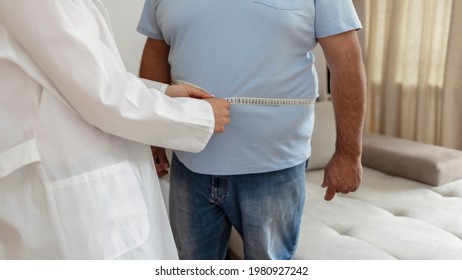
[(260, 101)]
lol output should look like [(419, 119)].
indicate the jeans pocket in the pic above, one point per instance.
[(281, 4), (100, 214)]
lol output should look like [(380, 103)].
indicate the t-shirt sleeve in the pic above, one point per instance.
[(148, 23), (335, 17)]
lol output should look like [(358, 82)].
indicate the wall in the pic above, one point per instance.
[(124, 19)]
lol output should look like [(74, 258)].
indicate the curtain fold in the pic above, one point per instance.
[(451, 119), (411, 49)]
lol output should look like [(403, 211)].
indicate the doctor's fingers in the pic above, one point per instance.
[(220, 123), (221, 112)]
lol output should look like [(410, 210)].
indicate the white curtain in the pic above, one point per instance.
[(451, 119), (412, 55)]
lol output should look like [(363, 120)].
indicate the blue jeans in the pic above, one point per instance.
[(264, 208)]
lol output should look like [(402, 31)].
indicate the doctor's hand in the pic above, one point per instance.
[(183, 90), (342, 175), (221, 109), (220, 106), (160, 161)]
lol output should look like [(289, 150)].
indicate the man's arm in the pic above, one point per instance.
[(154, 61), (348, 83)]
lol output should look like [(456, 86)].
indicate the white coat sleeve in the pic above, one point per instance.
[(70, 42)]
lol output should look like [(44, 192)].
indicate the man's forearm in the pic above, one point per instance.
[(349, 100), (348, 84)]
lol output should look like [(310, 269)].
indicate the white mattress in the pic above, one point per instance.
[(387, 218)]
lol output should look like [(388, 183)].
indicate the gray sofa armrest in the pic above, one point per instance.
[(430, 164)]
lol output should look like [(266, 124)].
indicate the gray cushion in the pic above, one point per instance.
[(421, 162)]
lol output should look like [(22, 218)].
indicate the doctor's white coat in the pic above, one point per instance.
[(76, 174)]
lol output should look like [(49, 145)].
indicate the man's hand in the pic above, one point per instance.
[(342, 175), (160, 161)]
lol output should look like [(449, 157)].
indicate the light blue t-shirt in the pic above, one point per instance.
[(249, 48)]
